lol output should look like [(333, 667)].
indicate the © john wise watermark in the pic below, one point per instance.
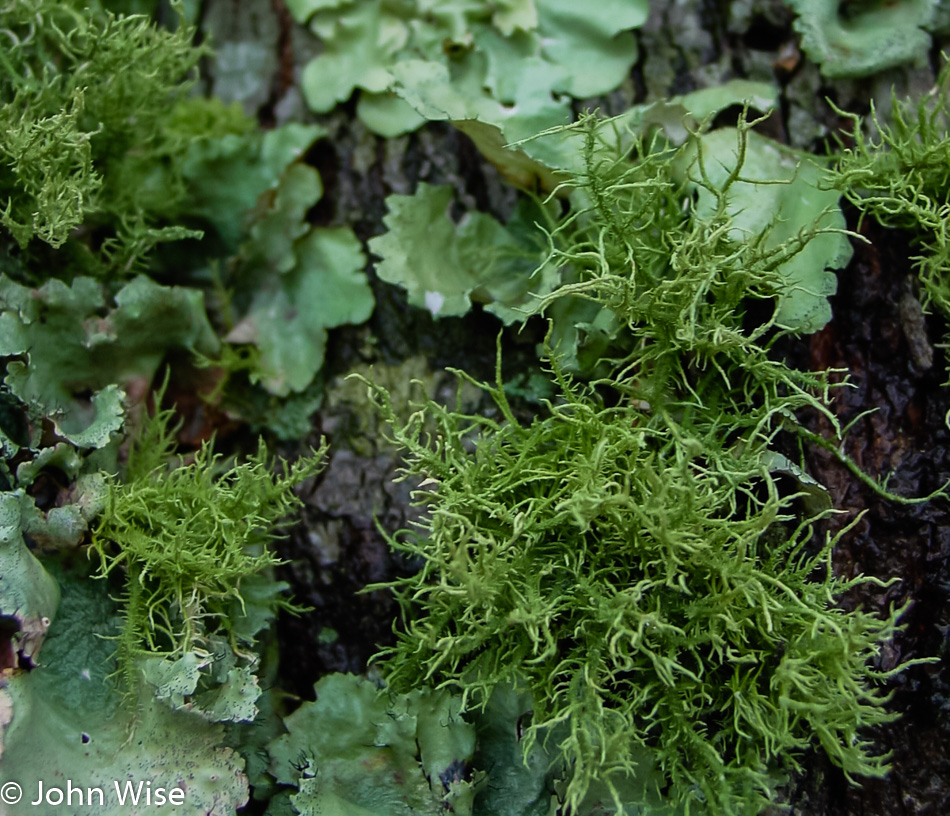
[(66, 793)]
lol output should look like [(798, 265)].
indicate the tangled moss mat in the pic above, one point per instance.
[(296, 209)]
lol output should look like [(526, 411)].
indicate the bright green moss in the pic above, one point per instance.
[(902, 179), (643, 576), (630, 558), (84, 99), (186, 538)]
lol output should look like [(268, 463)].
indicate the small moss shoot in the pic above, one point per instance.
[(902, 179), (186, 535)]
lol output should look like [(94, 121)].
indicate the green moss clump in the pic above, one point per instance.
[(902, 179), (646, 581), (88, 132), (187, 536), (630, 558)]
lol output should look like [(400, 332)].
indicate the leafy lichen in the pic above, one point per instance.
[(857, 39), (65, 717), (445, 266), (527, 51), (71, 343), (362, 750)]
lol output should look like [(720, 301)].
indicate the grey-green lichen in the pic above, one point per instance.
[(489, 54), (854, 39)]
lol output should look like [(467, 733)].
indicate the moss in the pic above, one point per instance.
[(902, 178), (629, 558), (648, 583), (86, 98), (187, 536)]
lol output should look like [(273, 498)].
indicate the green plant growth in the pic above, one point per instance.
[(624, 603), (186, 539), (283, 283), (84, 97), (787, 231), (641, 574), (103, 158), (901, 178), (630, 559), (669, 241)]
